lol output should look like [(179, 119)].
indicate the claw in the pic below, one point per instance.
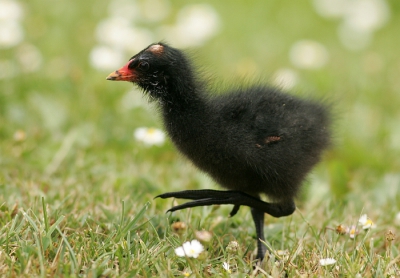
[(235, 209)]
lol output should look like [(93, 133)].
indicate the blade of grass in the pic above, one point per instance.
[(131, 224), (71, 251)]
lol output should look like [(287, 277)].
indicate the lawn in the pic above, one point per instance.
[(77, 187)]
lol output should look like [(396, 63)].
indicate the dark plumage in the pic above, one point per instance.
[(252, 141)]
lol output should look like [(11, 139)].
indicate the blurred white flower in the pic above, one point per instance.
[(361, 15), (149, 136), (366, 222), (366, 15), (118, 36), (106, 58), (353, 39), (112, 30), (360, 18), (398, 217), (11, 33), (330, 8), (195, 24), (118, 33), (327, 261), (10, 10), (124, 8), (190, 249), (19, 135), (151, 14), (353, 232), (308, 54), (29, 57), (204, 236), (285, 78), (225, 265)]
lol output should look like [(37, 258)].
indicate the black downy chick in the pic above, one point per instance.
[(252, 141)]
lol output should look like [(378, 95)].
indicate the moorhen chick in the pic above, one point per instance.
[(251, 140)]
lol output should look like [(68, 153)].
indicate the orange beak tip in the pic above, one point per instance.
[(112, 76)]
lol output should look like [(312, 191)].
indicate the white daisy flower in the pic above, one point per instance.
[(149, 136), (366, 222), (353, 232), (327, 261), (225, 265), (191, 249)]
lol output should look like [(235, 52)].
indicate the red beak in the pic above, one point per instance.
[(123, 74)]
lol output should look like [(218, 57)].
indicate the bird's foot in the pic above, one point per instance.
[(209, 197)]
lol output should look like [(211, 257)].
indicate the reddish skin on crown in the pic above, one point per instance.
[(156, 49)]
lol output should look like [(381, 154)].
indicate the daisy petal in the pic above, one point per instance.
[(190, 249), (180, 252), (327, 261)]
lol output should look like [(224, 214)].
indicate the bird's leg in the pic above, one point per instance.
[(258, 207), (209, 197), (258, 218)]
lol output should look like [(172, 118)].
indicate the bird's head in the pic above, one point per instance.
[(154, 69)]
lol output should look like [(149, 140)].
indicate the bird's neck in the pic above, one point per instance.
[(184, 110), (182, 96)]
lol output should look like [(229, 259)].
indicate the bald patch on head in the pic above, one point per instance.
[(156, 49)]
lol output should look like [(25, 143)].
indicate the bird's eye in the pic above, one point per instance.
[(143, 65)]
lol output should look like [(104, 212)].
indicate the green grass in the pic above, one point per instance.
[(76, 193)]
